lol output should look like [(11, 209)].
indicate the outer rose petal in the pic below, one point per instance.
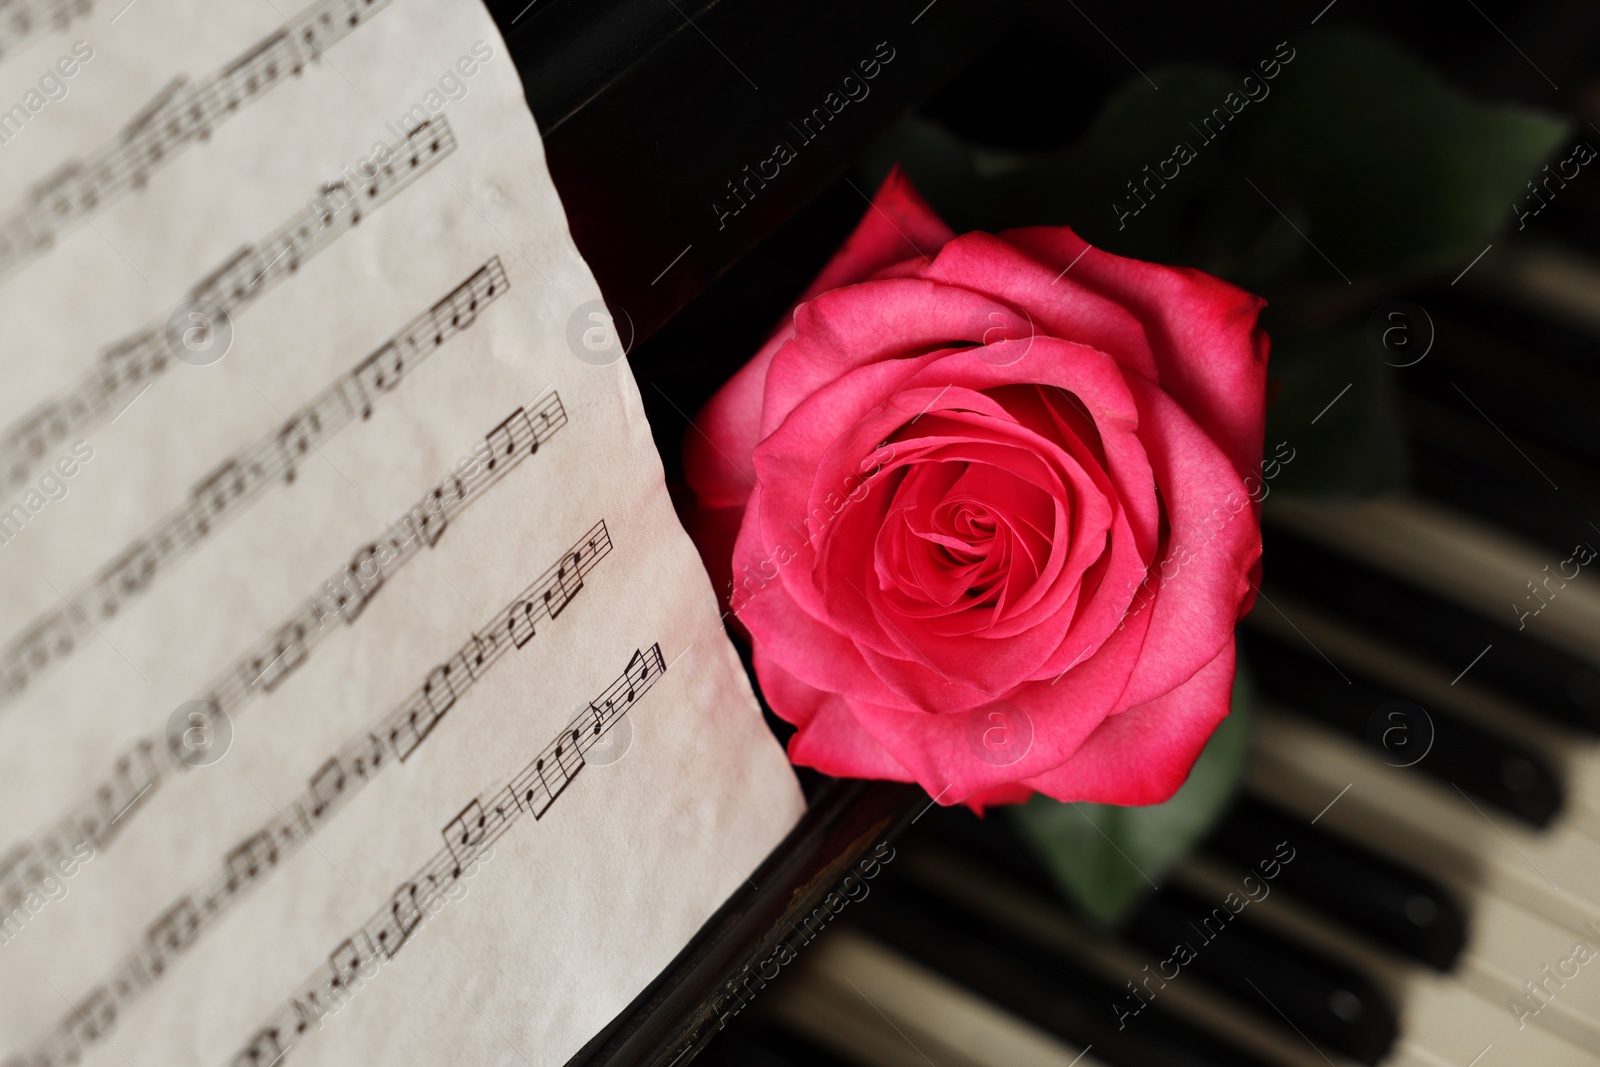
[(1055, 303), (716, 460), (829, 738), (1210, 356), (1144, 754), (1197, 600), (1012, 793)]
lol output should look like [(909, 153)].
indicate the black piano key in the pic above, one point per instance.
[(766, 1045), (1521, 665), (1327, 1001), (1402, 909), (1502, 320), (1490, 767), (1459, 465), (1046, 988), (1523, 392)]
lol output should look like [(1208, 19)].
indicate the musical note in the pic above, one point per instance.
[(519, 624), (127, 367), (132, 778), (429, 522), (288, 652), (248, 861), (295, 440), (437, 697), (233, 484), (263, 1050), (467, 837), (347, 962), (517, 429), (21, 19), (50, 637), (368, 760), (392, 741), (178, 116), (405, 915), (218, 492), (95, 1016), (568, 583), (556, 772), (464, 833), (175, 931), (327, 786), (286, 646), (30, 438), (638, 668), (20, 870), (380, 371)]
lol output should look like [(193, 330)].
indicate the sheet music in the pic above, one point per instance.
[(360, 698)]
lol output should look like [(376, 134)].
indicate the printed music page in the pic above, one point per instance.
[(361, 698)]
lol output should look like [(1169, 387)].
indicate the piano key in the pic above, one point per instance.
[(1545, 676), (1459, 459), (986, 868), (1464, 560), (1333, 1005), (1490, 766), (1307, 768), (1507, 946), (1574, 755), (856, 995), (1392, 904), (1528, 392), (1050, 989), (1560, 285), (1430, 1004), (1439, 1013)]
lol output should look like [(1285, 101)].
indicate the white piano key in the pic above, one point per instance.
[(1426, 824), (1574, 754), (1188, 997), (855, 995), (1555, 280), (1461, 558), (1507, 946)]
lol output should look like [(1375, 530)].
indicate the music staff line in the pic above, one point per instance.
[(21, 19), (148, 763), (180, 115), (240, 479), (394, 739), (126, 367), (467, 837)]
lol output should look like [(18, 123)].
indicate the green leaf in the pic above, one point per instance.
[(1355, 159), (1384, 165), (1338, 411), (1105, 858)]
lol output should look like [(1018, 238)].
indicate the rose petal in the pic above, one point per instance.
[(1209, 353), (717, 451), (1054, 303), (828, 738), (1144, 754)]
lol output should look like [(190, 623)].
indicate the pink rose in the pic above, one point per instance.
[(985, 501)]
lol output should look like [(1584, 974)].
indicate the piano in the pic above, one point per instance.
[(1425, 783)]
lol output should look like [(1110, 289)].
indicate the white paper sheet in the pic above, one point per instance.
[(346, 550)]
